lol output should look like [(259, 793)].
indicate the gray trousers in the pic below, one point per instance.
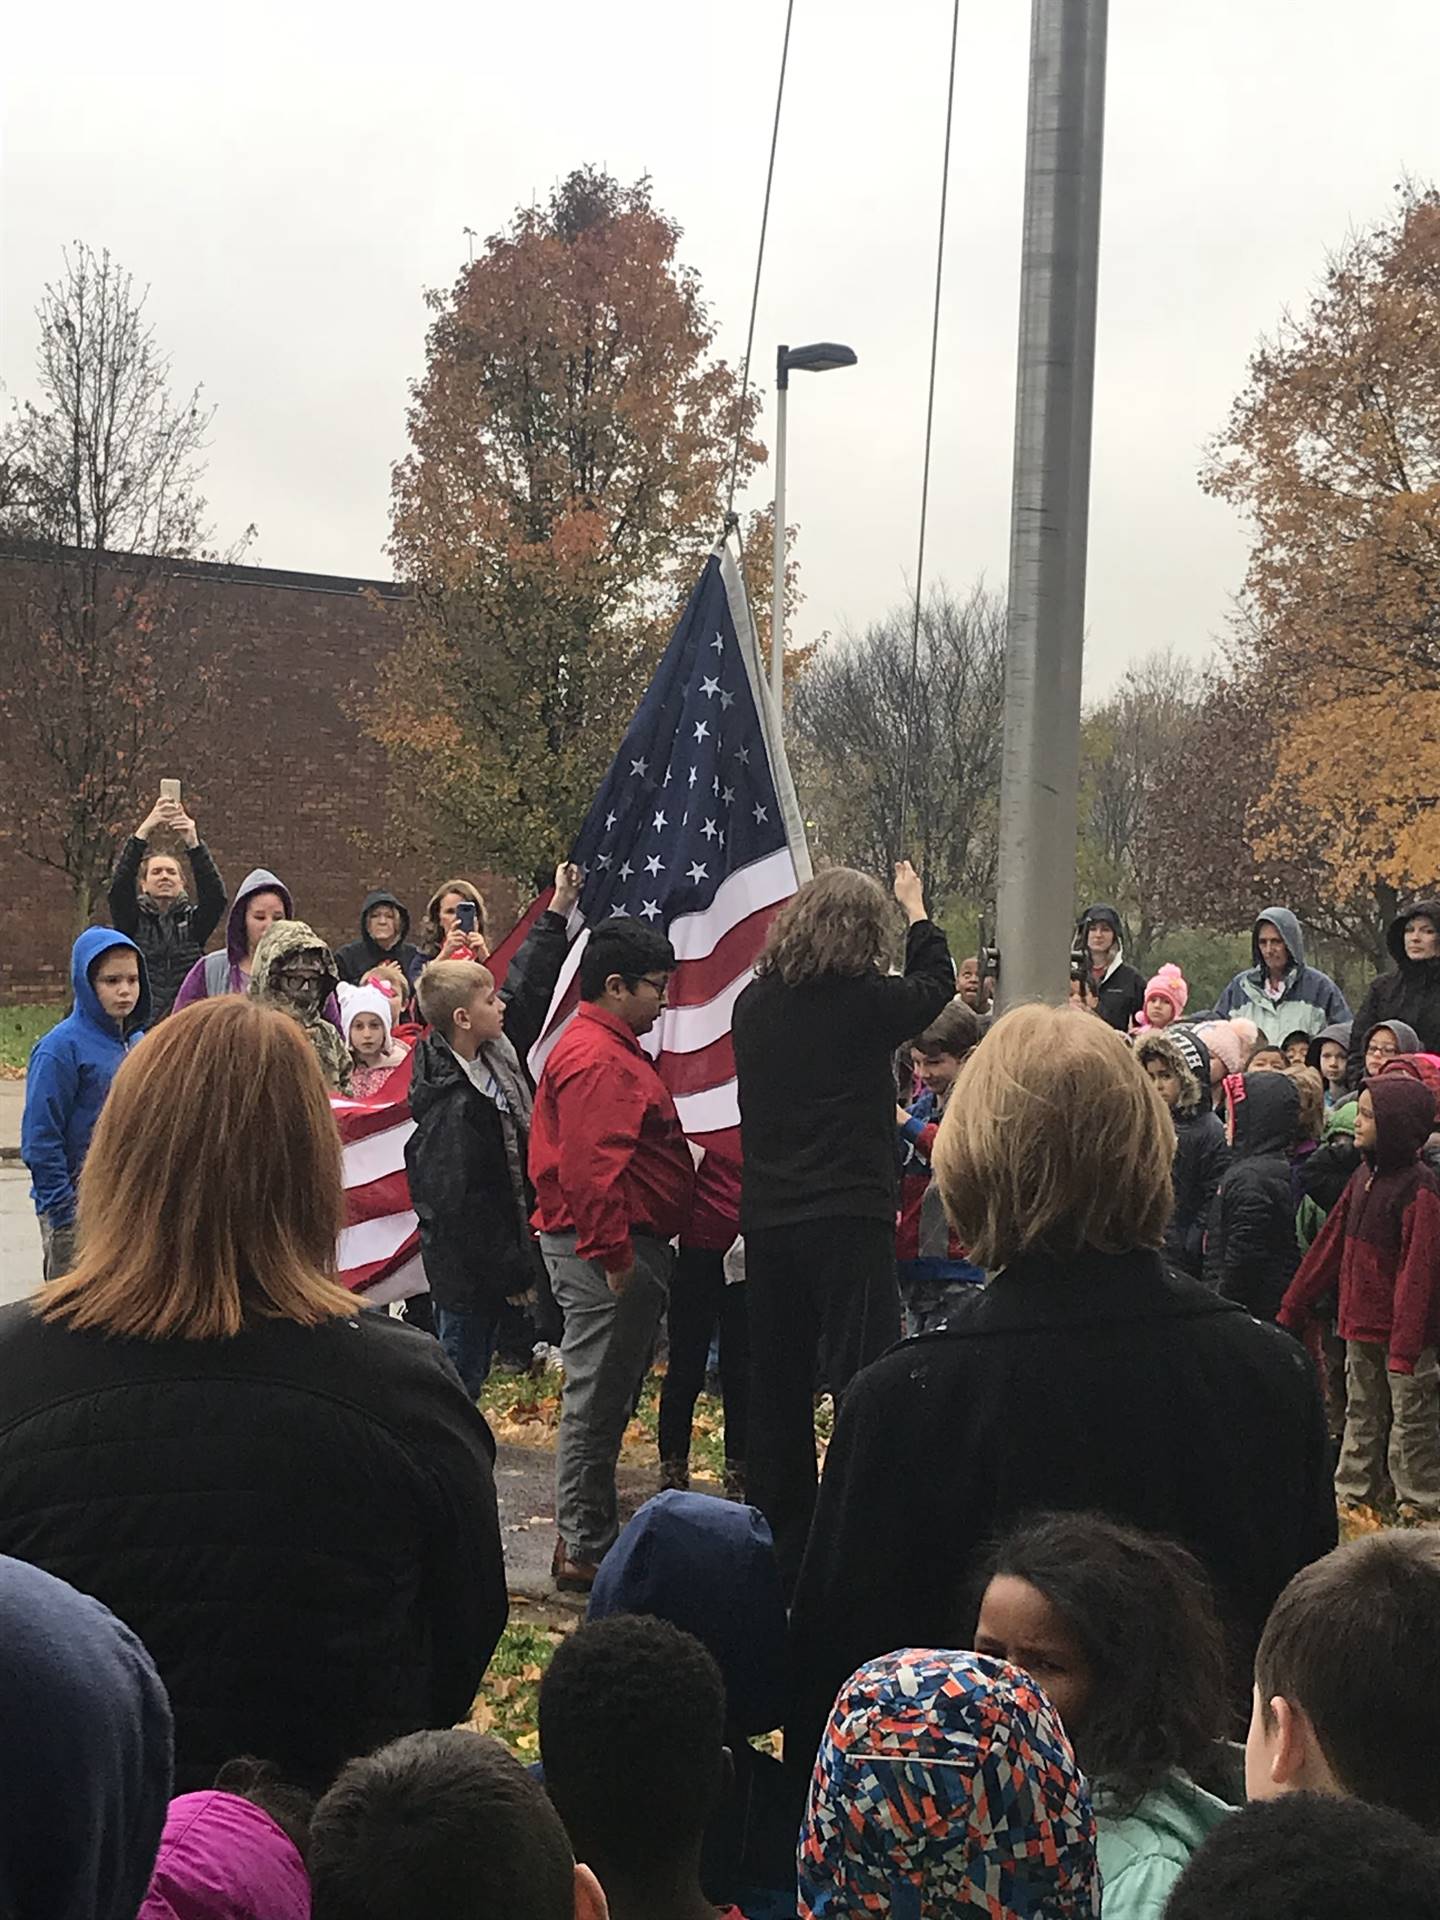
[(605, 1349), (1391, 1422)]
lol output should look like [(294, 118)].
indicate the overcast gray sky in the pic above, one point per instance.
[(290, 178)]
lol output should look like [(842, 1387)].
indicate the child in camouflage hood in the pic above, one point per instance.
[(295, 971)]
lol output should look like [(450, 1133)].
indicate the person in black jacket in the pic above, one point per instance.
[(148, 902), (289, 1500), (1178, 1061), (384, 935), (1251, 1251), (1410, 991), (1084, 1377), (466, 1164), (814, 1037), (1119, 987)]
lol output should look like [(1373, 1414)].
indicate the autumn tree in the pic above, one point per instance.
[(873, 798), (103, 678), (571, 441), (1332, 451)]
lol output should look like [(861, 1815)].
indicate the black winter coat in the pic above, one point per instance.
[(171, 940), (817, 1090), (1251, 1251), (1201, 1160), (1097, 1382), (1121, 997), (354, 960), (478, 1252), (1410, 992), (299, 1523)]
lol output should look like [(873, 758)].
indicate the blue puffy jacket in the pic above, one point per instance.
[(70, 1072)]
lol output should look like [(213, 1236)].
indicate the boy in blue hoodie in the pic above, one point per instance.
[(69, 1075)]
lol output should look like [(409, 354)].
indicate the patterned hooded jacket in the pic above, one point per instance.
[(285, 939), (1201, 1155), (945, 1782)]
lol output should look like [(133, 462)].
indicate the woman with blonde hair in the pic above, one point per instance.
[(1086, 1375), (815, 1034), (289, 1501)]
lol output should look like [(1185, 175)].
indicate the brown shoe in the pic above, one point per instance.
[(571, 1576)]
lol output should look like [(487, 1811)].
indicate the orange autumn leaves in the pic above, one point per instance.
[(1333, 451)]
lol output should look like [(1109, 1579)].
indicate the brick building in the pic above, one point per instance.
[(284, 780)]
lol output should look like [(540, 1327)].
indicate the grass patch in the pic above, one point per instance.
[(20, 1028), (526, 1412), (507, 1704)]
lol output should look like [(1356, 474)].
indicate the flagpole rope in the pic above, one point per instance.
[(900, 850), (759, 263)]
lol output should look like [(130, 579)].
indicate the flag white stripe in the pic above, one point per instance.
[(540, 1052), (688, 1029), (371, 1159), (746, 891), (403, 1284), (373, 1240), (710, 1111)]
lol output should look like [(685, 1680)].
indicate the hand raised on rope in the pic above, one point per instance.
[(909, 892)]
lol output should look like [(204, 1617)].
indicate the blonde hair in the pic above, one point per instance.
[(389, 974), (1054, 1140), (1311, 1123), (432, 934), (839, 925), (447, 985), (211, 1193)]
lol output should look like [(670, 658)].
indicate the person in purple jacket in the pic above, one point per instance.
[(261, 899)]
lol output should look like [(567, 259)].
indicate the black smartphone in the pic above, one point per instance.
[(466, 916)]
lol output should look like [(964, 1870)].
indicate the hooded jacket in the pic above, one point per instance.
[(474, 1237), (1338, 1035), (1310, 1000), (171, 936), (69, 1075), (708, 1567), (1201, 1153), (1120, 993), (1410, 992), (1381, 1243), (356, 959), (85, 1761), (284, 939), (1251, 1252), (223, 1858), (214, 973)]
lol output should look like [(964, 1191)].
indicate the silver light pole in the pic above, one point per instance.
[(822, 357), (1049, 514)]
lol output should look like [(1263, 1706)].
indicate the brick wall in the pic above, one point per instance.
[(283, 781)]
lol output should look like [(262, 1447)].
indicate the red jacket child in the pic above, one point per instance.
[(1381, 1242), (608, 1156)]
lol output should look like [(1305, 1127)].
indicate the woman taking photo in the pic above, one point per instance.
[(290, 1503), (1085, 1375), (815, 1035)]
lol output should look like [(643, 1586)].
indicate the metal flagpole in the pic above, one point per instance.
[(1049, 513), (777, 585)]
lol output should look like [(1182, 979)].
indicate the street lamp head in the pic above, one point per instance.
[(821, 356)]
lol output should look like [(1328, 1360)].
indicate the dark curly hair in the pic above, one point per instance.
[(1142, 1609), (840, 925)]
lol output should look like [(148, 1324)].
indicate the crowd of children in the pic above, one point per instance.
[(1077, 1753)]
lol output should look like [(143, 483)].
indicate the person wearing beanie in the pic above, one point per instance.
[(1229, 1049), (367, 1021), (1178, 1061), (1165, 1000), (1381, 1247)]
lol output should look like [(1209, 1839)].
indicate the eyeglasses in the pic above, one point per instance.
[(659, 986), (1381, 1053)]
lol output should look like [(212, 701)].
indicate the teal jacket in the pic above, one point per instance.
[(1144, 1854), (1310, 1001)]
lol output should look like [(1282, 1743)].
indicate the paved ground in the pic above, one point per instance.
[(19, 1235)]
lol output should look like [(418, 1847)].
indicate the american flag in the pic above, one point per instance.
[(379, 1251), (695, 830)]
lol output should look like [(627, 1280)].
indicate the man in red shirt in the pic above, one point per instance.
[(614, 1180)]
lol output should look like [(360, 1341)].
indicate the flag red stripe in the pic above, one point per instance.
[(374, 1201), (356, 1278), (500, 958), (696, 981), (696, 1072)]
